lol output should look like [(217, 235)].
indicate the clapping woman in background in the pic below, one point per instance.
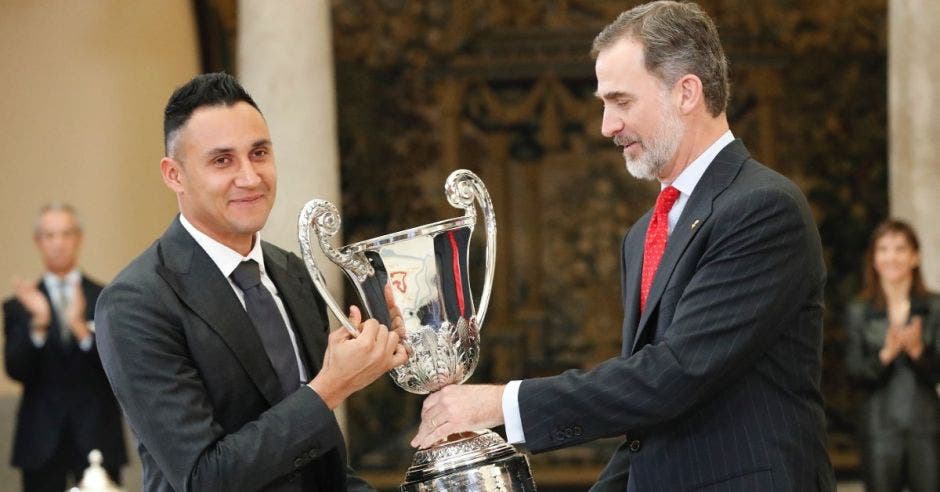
[(893, 346)]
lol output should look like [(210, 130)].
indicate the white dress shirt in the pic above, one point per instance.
[(228, 259), (685, 183)]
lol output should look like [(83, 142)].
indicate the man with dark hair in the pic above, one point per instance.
[(717, 385), (67, 408), (215, 341), (214, 89)]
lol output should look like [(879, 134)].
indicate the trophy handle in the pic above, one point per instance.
[(461, 188), (323, 217)]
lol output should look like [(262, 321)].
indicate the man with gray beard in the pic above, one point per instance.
[(717, 384)]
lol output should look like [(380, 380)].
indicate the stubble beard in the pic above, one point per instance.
[(657, 151)]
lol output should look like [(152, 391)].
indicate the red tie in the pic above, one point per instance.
[(656, 237)]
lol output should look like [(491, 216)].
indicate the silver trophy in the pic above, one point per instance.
[(426, 268)]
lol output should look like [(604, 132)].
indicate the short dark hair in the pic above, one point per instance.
[(208, 89), (678, 38)]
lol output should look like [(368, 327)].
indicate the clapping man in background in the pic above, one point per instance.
[(67, 408)]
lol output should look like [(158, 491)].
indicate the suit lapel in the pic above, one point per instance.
[(88, 289), (197, 281), (632, 270), (716, 179), (55, 328), (293, 288)]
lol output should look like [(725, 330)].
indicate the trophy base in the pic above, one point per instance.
[(471, 461)]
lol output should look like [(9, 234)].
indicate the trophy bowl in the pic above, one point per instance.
[(426, 269)]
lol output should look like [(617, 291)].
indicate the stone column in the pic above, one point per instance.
[(285, 61), (914, 138)]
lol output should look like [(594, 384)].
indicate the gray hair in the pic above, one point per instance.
[(678, 38), (57, 207)]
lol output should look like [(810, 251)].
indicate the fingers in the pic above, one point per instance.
[(394, 313), (376, 338), (397, 324), (368, 330), (400, 355), (432, 420), (376, 341), (390, 344), (430, 434), (441, 416), (392, 341), (382, 338), (339, 335), (355, 316), (389, 297), (458, 408), (434, 430)]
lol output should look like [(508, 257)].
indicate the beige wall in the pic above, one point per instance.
[(81, 100)]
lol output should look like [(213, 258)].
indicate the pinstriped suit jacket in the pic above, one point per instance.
[(717, 386)]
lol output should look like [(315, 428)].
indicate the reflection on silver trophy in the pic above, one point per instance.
[(427, 270)]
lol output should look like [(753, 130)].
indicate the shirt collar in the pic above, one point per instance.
[(53, 281), (227, 259), (690, 176)]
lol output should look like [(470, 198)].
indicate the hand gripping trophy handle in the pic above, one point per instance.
[(426, 270), (323, 217)]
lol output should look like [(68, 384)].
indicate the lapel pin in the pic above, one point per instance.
[(696, 223)]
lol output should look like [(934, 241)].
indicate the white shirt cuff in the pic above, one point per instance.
[(38, 340), (512, 418), (87, 343)]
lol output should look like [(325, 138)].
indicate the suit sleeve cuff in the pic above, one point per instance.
[(511, 416)]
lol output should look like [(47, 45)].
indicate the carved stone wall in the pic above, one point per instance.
[(505, 88)]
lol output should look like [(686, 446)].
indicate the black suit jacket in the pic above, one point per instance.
[(65, 391), (198, 390), (902, 396), (717, 386)]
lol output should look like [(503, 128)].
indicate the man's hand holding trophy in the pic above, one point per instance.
[(419, 278)]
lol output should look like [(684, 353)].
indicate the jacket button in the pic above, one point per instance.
[(578, 431), (635, 445), (299, 462), (312, 454), (558, 435)]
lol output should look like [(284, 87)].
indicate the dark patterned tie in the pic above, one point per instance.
[(269, 324), (656, 237)]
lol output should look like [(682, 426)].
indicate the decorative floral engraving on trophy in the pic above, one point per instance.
[(472, 444), (448, 355)]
